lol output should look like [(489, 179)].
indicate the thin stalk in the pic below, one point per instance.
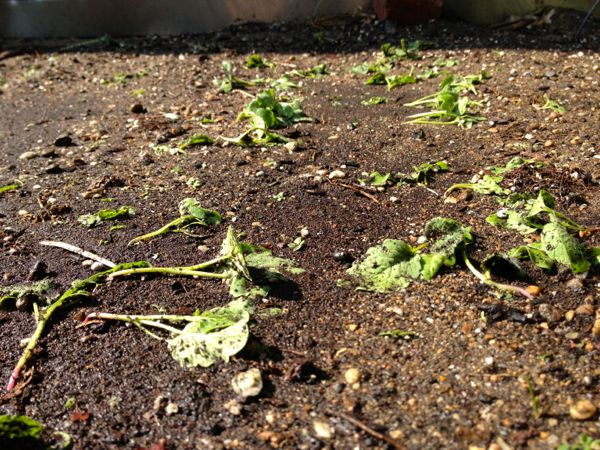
[(150, 317), (487, 280), (43, 318), (163, 230), (177, 271)]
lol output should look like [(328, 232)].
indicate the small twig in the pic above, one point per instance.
[(78, 251), (241, 91), (367, 429), (355, 189)]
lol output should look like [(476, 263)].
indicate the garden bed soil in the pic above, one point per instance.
[(482, 370)]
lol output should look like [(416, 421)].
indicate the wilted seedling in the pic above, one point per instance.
[(190, 214), (552, 105), (490, 184), (92, 220), (392, 81), (207, 337), (584, 442), (449, 105), (255, 61), (230, 82), (313, 72), (239, 264), (395, 264), (421, 174), (79, 289), (265, 113)]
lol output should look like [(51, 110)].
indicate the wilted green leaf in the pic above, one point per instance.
[(450, 235), (562, 247), (17, 291), (197, 139), (374, 101), (255, 61), (534, 254), (91, 220)]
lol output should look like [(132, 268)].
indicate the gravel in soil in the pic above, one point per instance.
[(88, 126)]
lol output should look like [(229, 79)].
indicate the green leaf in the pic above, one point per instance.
[(91, 220), (393, 81), (513, 164), (450, 236), (562, 247), (424, 172), (390, 266), (19, 430), (398, 334), (223, 334), (552, 105), (513, 220), (197, 139), (191, 207), (379, 179), (432, 263), (534, 254)]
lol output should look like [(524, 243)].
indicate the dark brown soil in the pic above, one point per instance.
[(461, 383)]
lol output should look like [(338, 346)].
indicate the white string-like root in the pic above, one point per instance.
[(79, 251)]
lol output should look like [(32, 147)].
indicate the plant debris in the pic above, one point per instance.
[(95, 219)]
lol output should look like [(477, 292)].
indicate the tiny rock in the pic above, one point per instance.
[(28, 155), (97, 266), (352, 375), (248, 383), (549, 312), (322, 429), (234, 407), (337, 174), (171, 409), (596, 327), (569, 315), (582, 410), (575, 284), (534, 290), (585, 310)]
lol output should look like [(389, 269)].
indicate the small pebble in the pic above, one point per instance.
[(337, 174), (549, 312), (322, 429), (575, 284), (291, 146), (171, 408), (585, 310), (352, 375), (248, 383), (569, 315), (596, 327), (28, 155), (534, 290), (583, 410), (97, 266), (234, 407), (343, 257)]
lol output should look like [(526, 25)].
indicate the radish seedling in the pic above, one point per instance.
[(190, 214), (92, 220), (43, 316)]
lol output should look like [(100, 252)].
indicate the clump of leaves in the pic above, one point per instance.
[(449, 106), (255, 61), (265, 113), (489, 184), (406, 50), (92, 220), (527, 214), (394, 264), (247, 269), (196, 140), (230, 82), (19, 432), (557, 245), (421, 174), (584, 442), (190, 214), (552, 105), (213, 335), (79, 289), (392, 81), (23, 292)]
